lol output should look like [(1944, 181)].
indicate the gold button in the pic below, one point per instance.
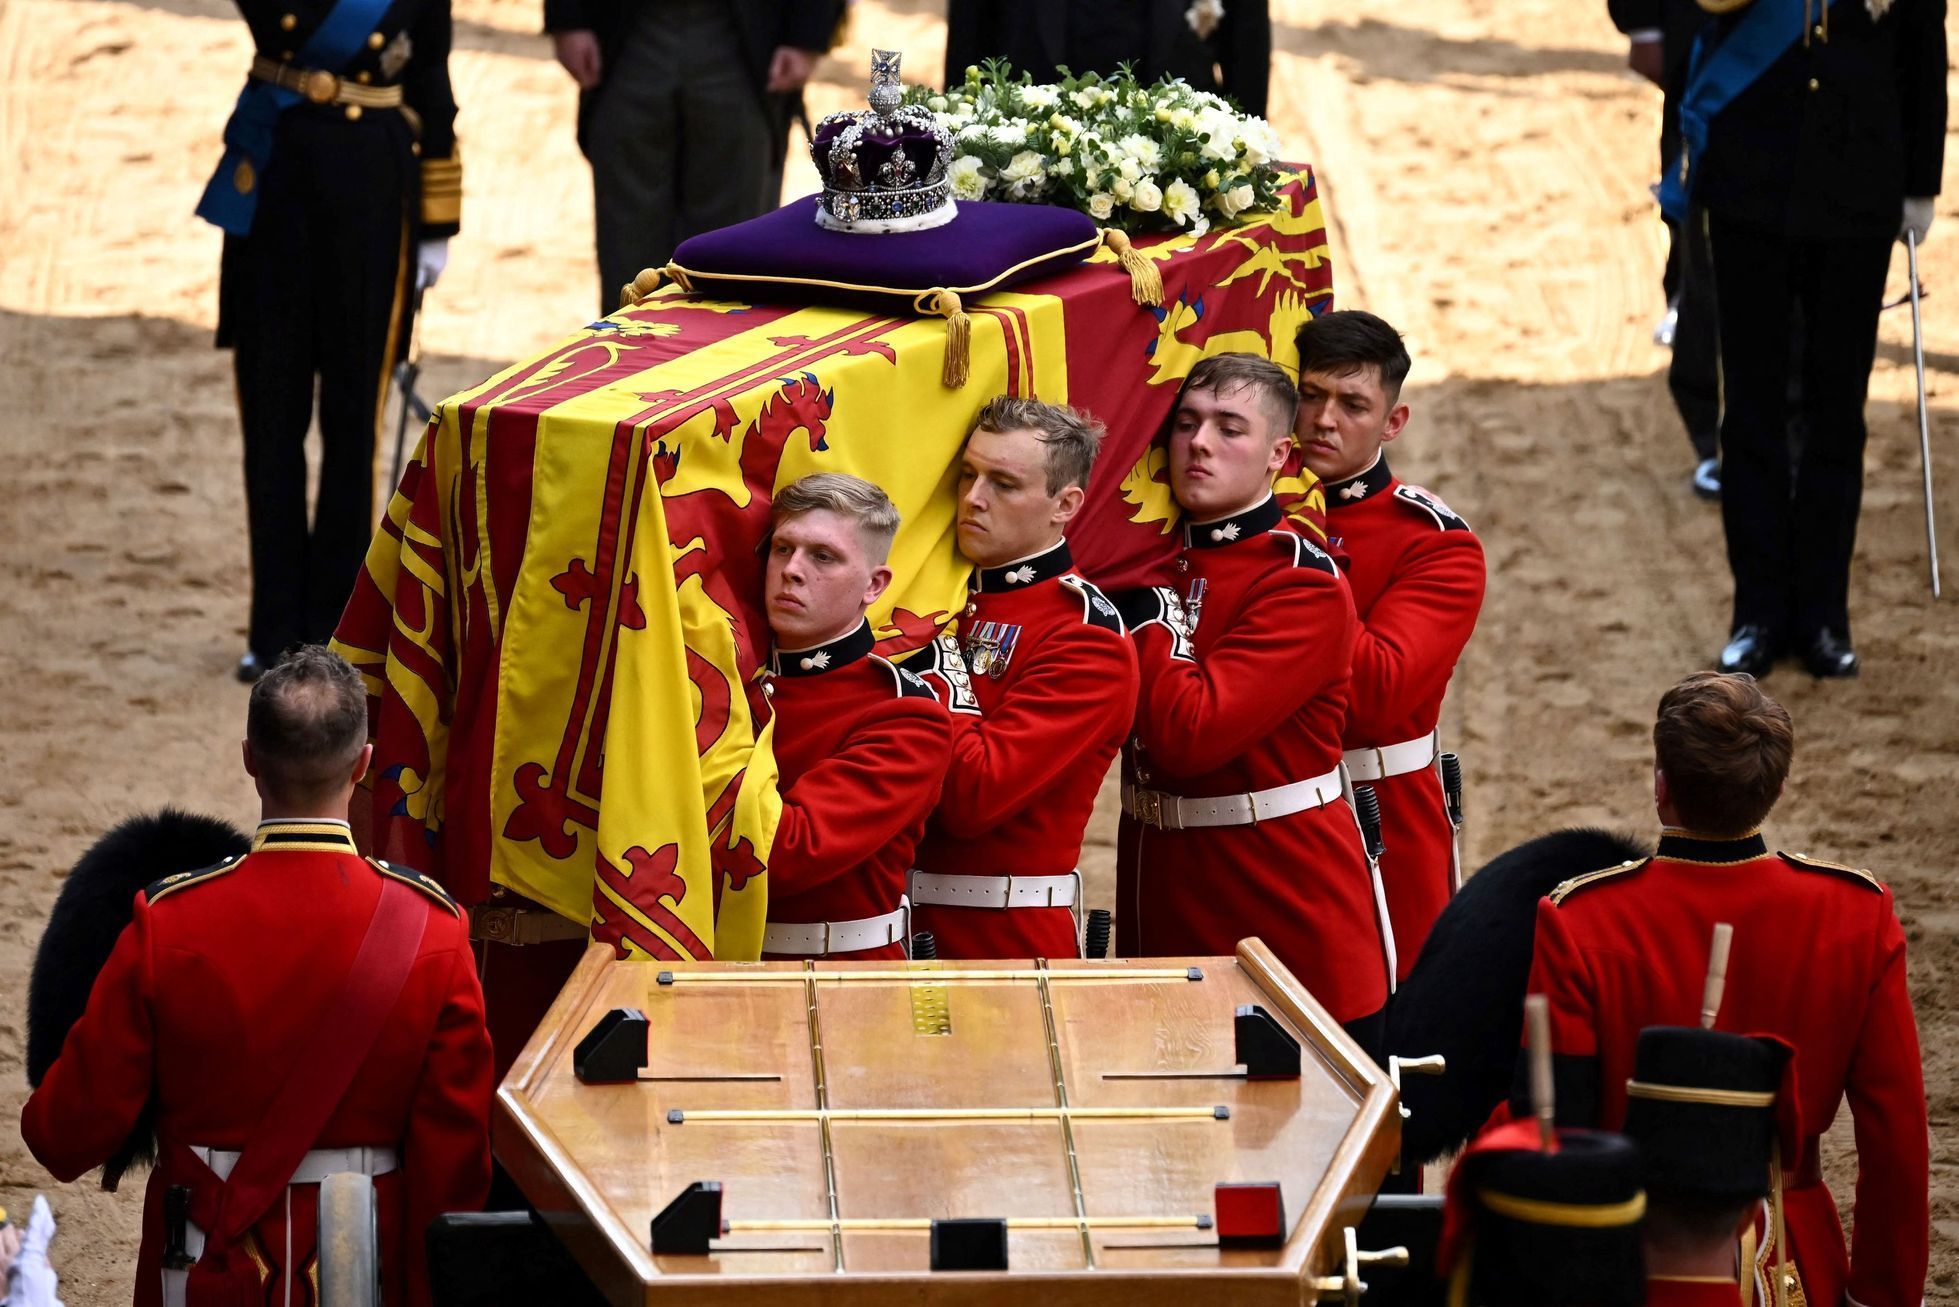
[(287, 22), (363, 78), (375, 40), (1814, 84), (415, 148), (353, 112)]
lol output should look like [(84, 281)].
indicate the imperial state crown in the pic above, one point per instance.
[(884, 169)]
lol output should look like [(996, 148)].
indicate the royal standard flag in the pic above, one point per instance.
[(560, 617)]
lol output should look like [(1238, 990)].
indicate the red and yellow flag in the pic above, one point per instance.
[(560, 617)]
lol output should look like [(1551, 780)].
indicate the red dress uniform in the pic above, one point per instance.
[(1681, 1291), (1260, 707), (861, 748), (1050, 690), (1416, 574), (1819, 961), (212, 989)]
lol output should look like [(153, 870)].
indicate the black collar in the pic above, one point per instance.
[(1023, 572), (1361, 486), (840, 652), (1254, 521), (302, 835), (1686, 846)]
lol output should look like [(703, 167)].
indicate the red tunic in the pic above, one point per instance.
[(1261, 706), (1819, 961), (215, 983), (1416, 573), (861, 748), (1027, 765), (1675, 1291)]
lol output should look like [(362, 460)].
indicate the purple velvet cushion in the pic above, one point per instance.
[(785, 256)]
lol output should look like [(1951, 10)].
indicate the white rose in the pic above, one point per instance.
[(1124, 189), (1085, 99), (1129, 169), (967, 177), (1038, 97), (1064, 168), (1183, 119), (1143, 150), (936, 103), (1023, 173), (1148, 197), (1236, 200), (1180, 202), (1101, 205)]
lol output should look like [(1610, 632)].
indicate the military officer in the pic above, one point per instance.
[(295, 1012), (1234, 822), (1416, 574), (861, 745), (1523, 1223), (1818, 961), (1703, 1109), (1813, 141), (338, 190), (1041, 680)]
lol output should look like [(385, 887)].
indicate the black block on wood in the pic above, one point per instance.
[(614, 1050), (685, 1225), (1267, 1049), (969, 1245)]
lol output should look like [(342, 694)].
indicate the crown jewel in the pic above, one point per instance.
[(883, 170)]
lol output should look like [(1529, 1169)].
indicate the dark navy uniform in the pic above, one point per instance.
[(1804, 179), (319, 291)]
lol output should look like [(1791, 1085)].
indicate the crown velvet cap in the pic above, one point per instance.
[(884, 169)]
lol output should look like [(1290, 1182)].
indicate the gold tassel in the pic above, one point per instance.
[(958, 334), (650, 280), (1145, 282)]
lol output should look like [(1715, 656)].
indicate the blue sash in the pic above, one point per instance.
[(1719, 70), (231, 196)]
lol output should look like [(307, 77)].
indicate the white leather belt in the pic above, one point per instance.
[(995, 891), (1175, 812), (817, 939), (316, 1165), (1364, 765)]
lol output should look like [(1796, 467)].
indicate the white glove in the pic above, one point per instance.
[(1918, 217), (34, 1280), (431, 257)]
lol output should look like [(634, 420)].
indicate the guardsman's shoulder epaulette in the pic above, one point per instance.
[(1808, 863), (416, 880), (1590, 878), (1307, 554), (156, 889), (909, 683), (1430, 507), (1096, 608)]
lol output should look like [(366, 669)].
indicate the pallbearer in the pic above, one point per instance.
[(1234, 822), (1416, 573), (1041, 680), (861, 745)]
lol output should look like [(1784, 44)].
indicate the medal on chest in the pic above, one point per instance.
[(1194, 604), (991, 647)]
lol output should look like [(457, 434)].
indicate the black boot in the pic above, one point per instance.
[(1829, 656)]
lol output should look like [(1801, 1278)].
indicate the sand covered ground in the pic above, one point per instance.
[(1484, 166)]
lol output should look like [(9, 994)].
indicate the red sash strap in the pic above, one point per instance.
[(315, 1085)]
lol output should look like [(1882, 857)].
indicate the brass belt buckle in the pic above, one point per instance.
[(498, 925), (1149, 808), (320, 86)]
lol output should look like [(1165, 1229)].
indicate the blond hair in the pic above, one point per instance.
[(846, 496), (1069, 437)]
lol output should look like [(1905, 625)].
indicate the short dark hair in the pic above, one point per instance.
[(1347, 340), (1267, 381), (1069, 437), (1725, 749), (306, 723)]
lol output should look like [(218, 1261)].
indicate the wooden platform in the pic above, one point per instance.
[(1108, 1207)]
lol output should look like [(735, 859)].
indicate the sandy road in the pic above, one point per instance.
[(1485, 167)]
